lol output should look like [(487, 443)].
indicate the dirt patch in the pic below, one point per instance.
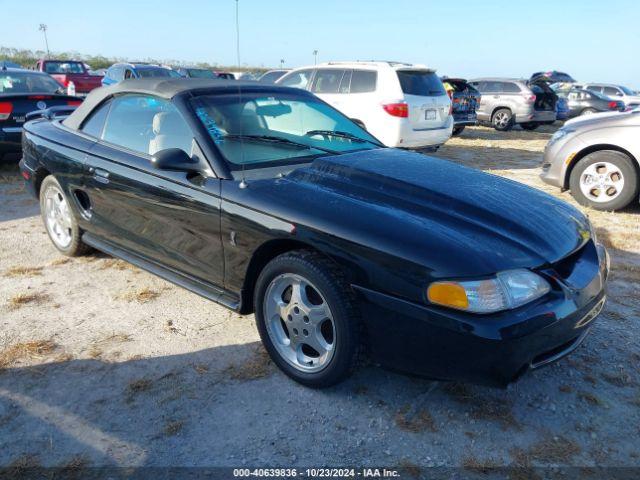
[(415, 421)]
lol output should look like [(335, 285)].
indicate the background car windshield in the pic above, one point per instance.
[(21, 82), (420, 82), (153, 72), (63, 67), (198, 73), (236, 123), (626, 90)]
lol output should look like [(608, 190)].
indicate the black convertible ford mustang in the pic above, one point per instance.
[(266, 199)]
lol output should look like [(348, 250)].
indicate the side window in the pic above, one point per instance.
[(327, 81), (128, 74), (509, 87), (363, 81), (297, 79), (611, 91), (146, 125), (95, 123), (490, 87)]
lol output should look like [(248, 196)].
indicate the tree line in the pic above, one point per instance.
[(28, 58)]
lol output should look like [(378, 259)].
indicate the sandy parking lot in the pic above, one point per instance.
[(104, 364)]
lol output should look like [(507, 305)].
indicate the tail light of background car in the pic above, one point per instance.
[(74, 103), (530, 98), (397, 109), (613, 105), (5, 110), (39, 97)]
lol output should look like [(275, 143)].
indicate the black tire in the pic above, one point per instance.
[(529, 125), (457, 130), (588, 111), (621, 161), (75, 248), (502, 119), (330, 282)]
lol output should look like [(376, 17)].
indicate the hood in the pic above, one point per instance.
[(606, 119), (434, 212)]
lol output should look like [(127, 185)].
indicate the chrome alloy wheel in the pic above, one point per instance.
[(501, 119), (601, 182), (299, 323), (57, 217)]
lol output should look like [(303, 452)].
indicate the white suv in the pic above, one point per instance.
[(401, 104)]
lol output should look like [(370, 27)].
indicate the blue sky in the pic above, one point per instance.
[(591, 40)]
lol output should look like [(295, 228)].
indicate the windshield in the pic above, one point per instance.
[(420, 82), (626, 90), (63, 67), (25, 82), (153, 72), (261, 129), (200, 73)]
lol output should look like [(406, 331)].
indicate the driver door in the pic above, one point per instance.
[(171, 218)]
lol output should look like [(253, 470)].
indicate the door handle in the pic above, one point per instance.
[(101, 176)]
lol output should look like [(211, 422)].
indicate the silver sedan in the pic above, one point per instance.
[(597, 158)]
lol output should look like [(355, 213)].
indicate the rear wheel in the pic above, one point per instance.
[(307, 318), (604, 180), (502, 119), (529, 125), (588, 111), (457, 130), (59, 219)]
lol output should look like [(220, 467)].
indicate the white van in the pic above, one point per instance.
[(403, 105)]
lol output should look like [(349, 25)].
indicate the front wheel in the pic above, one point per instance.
[(588, 111), (502, 120), (604, 180), (529, 126), (307, 318)]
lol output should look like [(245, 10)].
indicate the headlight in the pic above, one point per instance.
[(509, 289), (561, 133)]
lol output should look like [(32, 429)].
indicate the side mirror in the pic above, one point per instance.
[(175, 159)]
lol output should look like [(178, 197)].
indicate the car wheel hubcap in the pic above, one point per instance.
[(502, 119), (299, 323), (601, 182), (57, 216)]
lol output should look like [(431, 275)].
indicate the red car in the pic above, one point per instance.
[(66, 71)]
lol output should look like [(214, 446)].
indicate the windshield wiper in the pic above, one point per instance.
[(340, 134), (274, 139)]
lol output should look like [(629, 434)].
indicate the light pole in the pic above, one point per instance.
[(43, 29), (237, 35), (315, 57), (281, 62)]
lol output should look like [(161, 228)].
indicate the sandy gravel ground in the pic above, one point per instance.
[(104, 364)]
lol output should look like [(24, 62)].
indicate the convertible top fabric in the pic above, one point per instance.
[(165, 88)]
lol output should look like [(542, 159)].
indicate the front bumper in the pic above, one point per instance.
[(557, 158), (486, 349)]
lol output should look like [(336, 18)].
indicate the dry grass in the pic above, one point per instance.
[(117, 264), (139, 386), (22, 467), (559, 450), (591, 399), (73, 467), (26, 351), (201, 368), (565, 389), (22, 299), (415, 422), (498, 411), (59, 261), (173, 428), (407, 468), (20, 271), (257, 366), (97, 347), (460, 392), (485, 466), (619, 379), (141, 295)]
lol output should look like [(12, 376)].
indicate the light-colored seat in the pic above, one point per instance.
[(170, 131)]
